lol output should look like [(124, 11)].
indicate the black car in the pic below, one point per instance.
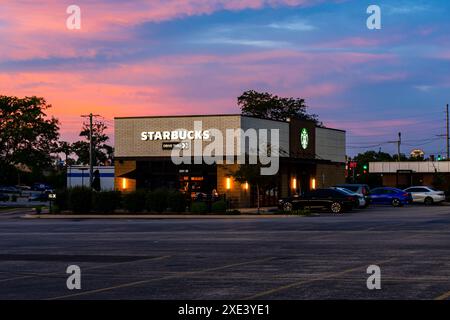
[(4, 197), (333, 200)]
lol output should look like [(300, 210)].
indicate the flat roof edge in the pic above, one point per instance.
[(214, 115)]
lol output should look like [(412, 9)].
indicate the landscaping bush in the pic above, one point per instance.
[(80, 200), (55, 209), (62, 200), (135, 201), (176, 201), (219, 206), (199, 207), (105, 201), (157, 200)]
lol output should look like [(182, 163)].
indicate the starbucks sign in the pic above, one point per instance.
[(304, 138)]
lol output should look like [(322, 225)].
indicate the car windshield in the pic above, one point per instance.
[(346, 191), (351, 188)]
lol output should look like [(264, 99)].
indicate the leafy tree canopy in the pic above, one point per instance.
[(102, 151), (268, 106), (27, 136)]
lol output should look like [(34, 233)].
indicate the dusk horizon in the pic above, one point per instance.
[(196, 57)]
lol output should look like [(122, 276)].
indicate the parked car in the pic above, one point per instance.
[(426, 195), (362, 202), (39, 196), (23, 188), (9, 189), (334, 200), (393, 196), (40, 187), (361, 189), (4, 197)]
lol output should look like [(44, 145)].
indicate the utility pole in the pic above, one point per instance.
[(91, 147), (399, 142), (448, 142)]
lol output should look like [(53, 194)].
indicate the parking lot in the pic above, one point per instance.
[(318, 257)]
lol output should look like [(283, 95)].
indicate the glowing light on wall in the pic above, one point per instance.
[(228, 183), (124, 183), (294, 183), (246, 186), (313, 183)]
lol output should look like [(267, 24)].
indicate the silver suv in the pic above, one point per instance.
[(426, 195)]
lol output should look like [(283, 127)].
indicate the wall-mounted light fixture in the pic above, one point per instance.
[(228, 183), (313, 183), (246, 186), (124, 183), (294, 184)]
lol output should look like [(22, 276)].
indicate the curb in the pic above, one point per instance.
[(153, 217)]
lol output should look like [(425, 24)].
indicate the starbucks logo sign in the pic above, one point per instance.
[(304, 138)]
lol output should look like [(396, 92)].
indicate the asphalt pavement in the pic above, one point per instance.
[(318, 257)]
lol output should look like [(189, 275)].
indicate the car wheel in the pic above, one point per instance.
[(429, 201), (396, 202), (287, 207), (336, 207)]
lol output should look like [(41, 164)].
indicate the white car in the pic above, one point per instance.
[(426, 195)]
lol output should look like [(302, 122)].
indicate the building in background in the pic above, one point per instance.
[(78, 176), (310, 157), (412, 173)]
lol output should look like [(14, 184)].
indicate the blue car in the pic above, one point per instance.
[(393, 196)]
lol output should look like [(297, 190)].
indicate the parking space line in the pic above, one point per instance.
[(320, 278), (37, 275), (443, 296), (178, 275)]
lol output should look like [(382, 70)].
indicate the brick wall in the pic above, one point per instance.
[(328, 175), (237, 193)]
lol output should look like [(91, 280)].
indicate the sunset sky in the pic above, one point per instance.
[(167, 57)]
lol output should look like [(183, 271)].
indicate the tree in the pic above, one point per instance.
[(363, 160), (65, 148), (251, 174), (27, 136), (268, 106), (102, 151)]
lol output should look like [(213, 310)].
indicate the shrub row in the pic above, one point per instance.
[(84, 200)]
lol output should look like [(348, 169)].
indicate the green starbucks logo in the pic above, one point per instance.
[(304, 138)]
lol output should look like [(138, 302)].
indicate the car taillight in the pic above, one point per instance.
[(351, 199), (406, 194)]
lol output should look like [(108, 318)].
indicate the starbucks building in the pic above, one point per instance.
[(163, 151)]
